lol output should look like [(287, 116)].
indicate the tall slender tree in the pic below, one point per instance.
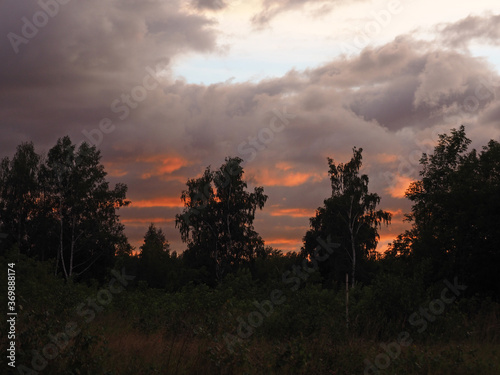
[(349, 217)]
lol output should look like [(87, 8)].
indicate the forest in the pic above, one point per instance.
[(87, 302)]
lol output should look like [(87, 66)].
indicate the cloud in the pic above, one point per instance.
[(86, 56), (390, 100), (292, 212), (158, 202), (483, 29), (399, 187), (273, 8), (285, 244), (209, 4)]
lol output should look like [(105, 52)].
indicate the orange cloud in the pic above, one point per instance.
[(287, 244), (284, 166), (386, 158), (158, 202), (163, 164), (399, 186), (293, 212), (280, 177), (113, 171), (396, 213), (384, 241)]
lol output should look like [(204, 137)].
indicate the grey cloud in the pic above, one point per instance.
[(384, 100), (86, 56), (473, 28), (209, 4)]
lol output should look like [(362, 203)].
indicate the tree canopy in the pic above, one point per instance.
[(217, 221), (62, 207), (455, 213), (349, 217)]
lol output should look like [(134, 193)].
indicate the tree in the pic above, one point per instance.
[(455, 212), (348, 217), (62, 207), (84, 207), (154, 258), (19, 194), (217, 221)]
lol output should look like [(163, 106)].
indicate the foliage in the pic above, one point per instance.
[(349, 217), (217, 222), (175, 317), (455, 214), (62, 207)]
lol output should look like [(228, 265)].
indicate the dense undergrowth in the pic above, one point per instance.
[(140, 330)]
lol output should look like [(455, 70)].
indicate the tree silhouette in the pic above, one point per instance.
[(217, 221), (348, 217), (455, 213), (62, 207), (83, 205), (19, 193), (154, 258)]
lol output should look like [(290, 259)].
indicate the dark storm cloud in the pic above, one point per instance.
[(69, 68), (483, 29), (387, 100)]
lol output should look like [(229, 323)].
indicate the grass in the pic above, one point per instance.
[(134, 351)]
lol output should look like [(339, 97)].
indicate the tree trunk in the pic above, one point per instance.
[(347, 300), (352, 222), (353, 248), (61, 245), (72, 246)]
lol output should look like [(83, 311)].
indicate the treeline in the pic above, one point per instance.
[(59, 207), (229, 304)]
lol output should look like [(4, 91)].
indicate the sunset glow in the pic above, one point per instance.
[(167, 89)]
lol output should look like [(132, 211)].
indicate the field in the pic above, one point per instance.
[(234, 328)]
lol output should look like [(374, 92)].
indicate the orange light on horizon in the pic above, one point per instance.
[(158, 202), (288, 244), (293, 212), (142, 221)]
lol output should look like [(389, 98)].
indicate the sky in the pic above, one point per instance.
[(165, 88)]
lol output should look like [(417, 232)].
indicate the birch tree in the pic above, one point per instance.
[(84, 207), (349, 216)]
